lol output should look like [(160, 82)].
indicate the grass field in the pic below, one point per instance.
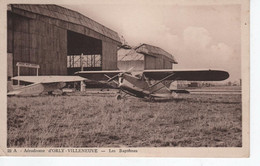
[(100, 120)]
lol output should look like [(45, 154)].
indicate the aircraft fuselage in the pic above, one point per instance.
[(135, 86)]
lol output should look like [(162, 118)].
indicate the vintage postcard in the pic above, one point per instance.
[(125, 78)]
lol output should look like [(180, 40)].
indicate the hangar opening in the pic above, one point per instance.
[(84, 53)]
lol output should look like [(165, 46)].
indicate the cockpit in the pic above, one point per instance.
[(139, 75)]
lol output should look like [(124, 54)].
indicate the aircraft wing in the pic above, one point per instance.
[(188, 75), (48, 79), (98, 75)]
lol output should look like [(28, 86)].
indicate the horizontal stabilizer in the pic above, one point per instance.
[(14, 93)]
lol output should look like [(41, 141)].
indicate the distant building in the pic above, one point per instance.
[(144, 57), (181, 84)]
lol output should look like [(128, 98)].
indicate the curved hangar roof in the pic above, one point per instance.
[(155, 51), (61, 13)]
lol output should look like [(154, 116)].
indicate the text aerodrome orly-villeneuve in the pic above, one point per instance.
[(73, 150)]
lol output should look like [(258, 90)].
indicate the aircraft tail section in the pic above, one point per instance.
[(32, 89)]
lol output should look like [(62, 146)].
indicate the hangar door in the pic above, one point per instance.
[(84, 53)]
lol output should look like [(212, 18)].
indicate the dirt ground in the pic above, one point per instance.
[(99, 120)]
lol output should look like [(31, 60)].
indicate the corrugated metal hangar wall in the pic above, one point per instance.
[(47, 34)]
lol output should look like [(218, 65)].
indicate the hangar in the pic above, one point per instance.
[(55, 38), (144, 57)]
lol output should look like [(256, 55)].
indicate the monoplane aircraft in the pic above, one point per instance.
[(40, 84), (151, 83)]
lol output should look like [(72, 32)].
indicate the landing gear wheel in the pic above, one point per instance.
[(118, 97)]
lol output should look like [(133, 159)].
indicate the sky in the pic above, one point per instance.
[(198, 36)]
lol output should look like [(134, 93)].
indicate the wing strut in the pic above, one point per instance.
[(164, 86), (162, 80), (111, 78)]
